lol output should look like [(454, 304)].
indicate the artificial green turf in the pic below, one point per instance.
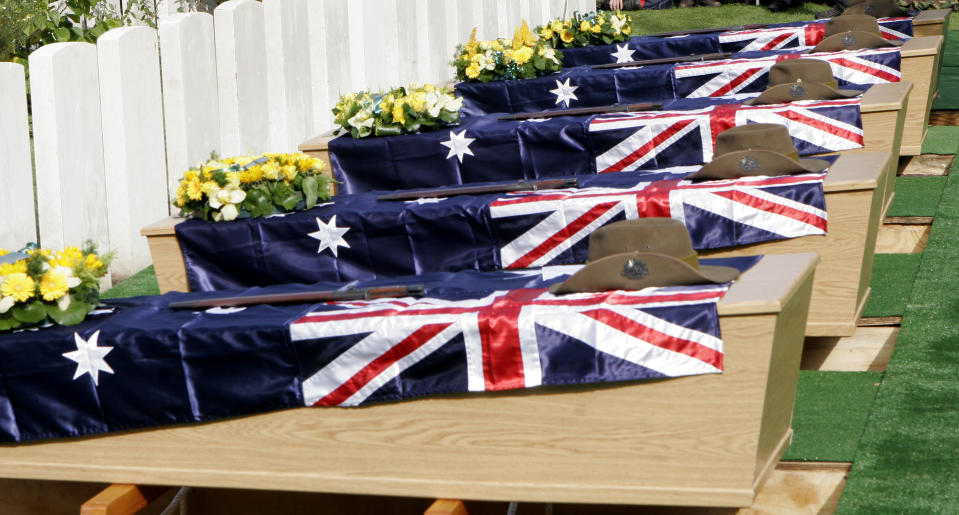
[(663, 20), (942, 139), (830, 414), (908, 458), (143, 282), (948, 86), (892, 280), (917, 196)]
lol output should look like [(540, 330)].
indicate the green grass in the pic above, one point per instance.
[(665, 20), (917, 196), (143, 282), (942, 139), (948, 82), (892, 281), (908, 459), (830, 414)]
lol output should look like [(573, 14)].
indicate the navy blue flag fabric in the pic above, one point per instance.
[(778, 36), (746, 73), (484, 148), (140, 364), (361, 238)]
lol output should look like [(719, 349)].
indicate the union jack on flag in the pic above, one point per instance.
[(726, 77), (810, 34), (646, 140), (717, 214), (388, 349)]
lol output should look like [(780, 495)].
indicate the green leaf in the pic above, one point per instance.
[(311, 189), (73, 315), (258, 203), (283, 195), (8, 322), (31, 313), (62, 34)]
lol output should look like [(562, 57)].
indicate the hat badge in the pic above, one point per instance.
[(849, 40), (797, 90), (748, 164), (634, 269), (870, 9)]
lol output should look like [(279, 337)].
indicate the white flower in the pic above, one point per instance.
[(6, 303), (63, 302), (228, 213), (225, 200), (72, 282), (617, 23)]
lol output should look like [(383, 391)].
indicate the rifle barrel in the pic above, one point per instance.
[(578, 111), (666, 60), (748, 26), (305, 296), (541, 184)]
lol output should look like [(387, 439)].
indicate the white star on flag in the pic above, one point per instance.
[(330, 236), (564, 92), (89, 357), (459, 145), (623, 54)]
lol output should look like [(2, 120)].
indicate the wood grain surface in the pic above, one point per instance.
[(920, 65)]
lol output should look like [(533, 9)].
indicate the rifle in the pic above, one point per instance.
[(541, 184), (667, 60), (578, 111), (305, 296), (748, 26)]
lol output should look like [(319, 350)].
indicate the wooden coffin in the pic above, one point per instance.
[(920, 65), (705, 440), (930, 23), (854, 200)]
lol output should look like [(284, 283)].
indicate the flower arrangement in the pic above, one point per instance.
[(252, 186), (592, 28), (402, 110), (40, 285), (525, 57)]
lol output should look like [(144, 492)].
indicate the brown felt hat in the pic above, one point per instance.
[(756, 149), (875, 8), (637, 254), (853, 32), (801, 79)]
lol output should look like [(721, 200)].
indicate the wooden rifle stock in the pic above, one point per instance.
[(304, 296), (579, 111), (667, 60), (748, 26), (542, 184)]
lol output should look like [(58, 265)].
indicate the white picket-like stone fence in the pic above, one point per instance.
[(117, 123)]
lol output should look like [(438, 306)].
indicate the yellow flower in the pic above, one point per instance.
[(194, 189), (271, 170), (209, 187), (251, 174), (557, 26), (473, 70), (546, 33), (67, 257), (584, 26), (4, 252), (418, 101), (289, 172), (626, 29), (596, 29), (523, 55), (53, 285), (19, 286), (496, 45), (399, 115), (191, 175), (92, 262), (472, 43), (568, 23), (566, 36), (19, 267)]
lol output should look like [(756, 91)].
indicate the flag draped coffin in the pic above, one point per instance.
[(746, 73), (360, 238), (140, 364), (486, 149), (774, 37)]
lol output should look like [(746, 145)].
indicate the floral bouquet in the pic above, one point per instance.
[(252, 186), (525, 57), (40, 286), (593, 28), (402, 110)]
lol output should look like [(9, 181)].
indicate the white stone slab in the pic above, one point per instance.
[(321, 96), (539, 12), (288, 69), (71, 193), (134, 155), (493, 25), (340, 70), (240, 71), (406, 40), (469, 14), (191, 107), (16, 174)]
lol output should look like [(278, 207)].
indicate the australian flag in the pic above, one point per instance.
[(801, 35), (139, 363)]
